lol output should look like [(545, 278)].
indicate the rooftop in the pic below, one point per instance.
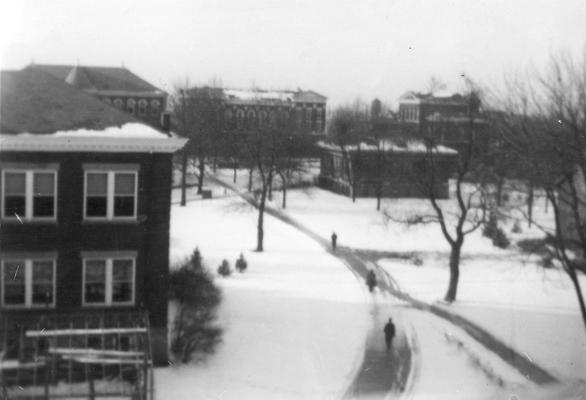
[(98, 78)]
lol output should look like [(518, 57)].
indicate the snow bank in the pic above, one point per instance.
[(130, 130), (294, 323)]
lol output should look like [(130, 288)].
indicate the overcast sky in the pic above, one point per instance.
[(342, 49)]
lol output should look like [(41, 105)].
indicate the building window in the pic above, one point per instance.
[(239, 119), (107, 100), (308, 118), (108, 280), (130, 106), (142, 107), (29, 194), (262, 119), (251, 119), (299, 116), (155, 107), (110, 194), (28, 282), (320, 119), (118, 103)]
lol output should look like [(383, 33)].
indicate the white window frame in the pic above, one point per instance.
[(109, 259), (111, 171), (28, 280), (29, 192)]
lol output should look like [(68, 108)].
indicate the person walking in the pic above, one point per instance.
[(371, 280), (389, 333), (334, 240)]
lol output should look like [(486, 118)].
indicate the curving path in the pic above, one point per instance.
[(383, 375)]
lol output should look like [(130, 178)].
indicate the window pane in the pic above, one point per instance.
[(14, 205), (42, 293), (15, 183), (42, 271), (122, 292), (95, 292), (44, 206), (124, 184), (13, 294), (97, 183), (124, 206), (95, 281), (122, 270), (96, 206), (14, 272), (95, 271), (44, 183)]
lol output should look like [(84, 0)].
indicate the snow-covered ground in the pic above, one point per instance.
[(534, 310), (314, 351), (294, 323)]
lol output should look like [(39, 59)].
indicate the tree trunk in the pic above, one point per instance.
[(284, 183), (201, 169), (183, 179), (454, 272), (271, 191), (530, 203), (499, 191), (580, 295), (235, 170), (260, 226), (378, 198), (250, 171), (353, 191)]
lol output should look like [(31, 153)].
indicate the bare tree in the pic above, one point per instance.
[(184, 123), (457, 219), (347, 126), (546, 121)]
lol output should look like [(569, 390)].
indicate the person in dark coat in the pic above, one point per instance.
[(389, 333), (334, 240), (371, 280)]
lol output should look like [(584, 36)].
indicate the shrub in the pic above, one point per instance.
[(224, 268), (416, 260), (241, 263), (491, 226), (198, 299), (500, 239), (517, 227)]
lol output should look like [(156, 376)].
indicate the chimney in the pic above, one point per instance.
[(166, 122)]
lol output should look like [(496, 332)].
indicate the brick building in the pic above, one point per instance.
[(85, 202)]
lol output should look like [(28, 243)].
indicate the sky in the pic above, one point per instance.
[(342, 49)]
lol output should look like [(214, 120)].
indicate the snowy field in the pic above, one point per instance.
[(505, 291), (294, 323)]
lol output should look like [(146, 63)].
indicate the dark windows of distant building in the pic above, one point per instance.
[(155, 107), (118, 103), (142, 107), (130, 106)]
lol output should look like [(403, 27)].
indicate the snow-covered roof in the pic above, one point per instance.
[(290, 96), (242, 94), (390, 146)]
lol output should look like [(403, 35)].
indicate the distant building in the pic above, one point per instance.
[(446, 119), (116, 86), (85, 201), (390, 169), (304, 111)]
